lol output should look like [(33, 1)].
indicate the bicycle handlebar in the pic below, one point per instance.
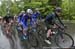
[(60, 27)]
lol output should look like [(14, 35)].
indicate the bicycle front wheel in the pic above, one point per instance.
[(64, 40), (32, 40)]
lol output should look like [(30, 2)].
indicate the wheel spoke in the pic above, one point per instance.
[(66, 42)]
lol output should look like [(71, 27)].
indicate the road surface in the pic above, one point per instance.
[(4, 42)]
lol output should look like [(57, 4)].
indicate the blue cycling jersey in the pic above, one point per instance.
[(51, 19), (20, 18), (33, 19), (23, 19), (37, 14)]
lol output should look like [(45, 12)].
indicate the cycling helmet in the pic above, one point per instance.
[(29, 11), (0, 17), (22, 11), (37, 9), (58, 9)]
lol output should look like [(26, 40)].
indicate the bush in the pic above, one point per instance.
[(46, 10)]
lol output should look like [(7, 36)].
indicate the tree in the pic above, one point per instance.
[(29, 1), (55, 2), (52, 2), (3, 8)]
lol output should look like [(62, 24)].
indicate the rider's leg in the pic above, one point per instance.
[(25, 32), (48, 36), (9, 37), (49, 33), (25, 28)]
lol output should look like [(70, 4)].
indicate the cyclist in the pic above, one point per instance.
[(27, 18), (24, 23), (21, 22), (7, 29), (37, 12), (33, 17), (20, 17), (51, 22), (8, 22), (33, 23)]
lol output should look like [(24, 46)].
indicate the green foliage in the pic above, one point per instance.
[(68, 7), (14, 9), (46, 10), (3, 10), (33, 4)]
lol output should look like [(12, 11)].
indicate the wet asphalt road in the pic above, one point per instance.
[(4, 42)]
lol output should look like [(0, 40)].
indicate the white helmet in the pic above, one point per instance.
[(0, 17), (22, 11), (29, 11), (37, 9)]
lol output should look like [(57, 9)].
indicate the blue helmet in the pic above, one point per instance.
[(58, 9)]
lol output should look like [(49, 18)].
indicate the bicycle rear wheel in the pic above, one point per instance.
[(64, 40), (32, 40)]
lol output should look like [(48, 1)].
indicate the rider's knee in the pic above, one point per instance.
[(49, 30)]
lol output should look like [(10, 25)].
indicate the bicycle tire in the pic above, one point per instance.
[(32, 40), (57, 43)]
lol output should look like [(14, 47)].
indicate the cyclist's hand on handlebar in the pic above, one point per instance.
[(64, 27)]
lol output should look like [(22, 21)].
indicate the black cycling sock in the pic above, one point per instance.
[(47, 38)]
